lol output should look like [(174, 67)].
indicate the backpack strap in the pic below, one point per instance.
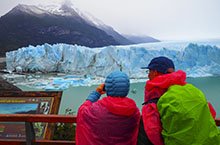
[(154, 100)]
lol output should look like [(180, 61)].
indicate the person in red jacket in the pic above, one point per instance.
[(111, 120), (161, 76)]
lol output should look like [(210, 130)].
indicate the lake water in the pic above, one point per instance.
[(73, 97)]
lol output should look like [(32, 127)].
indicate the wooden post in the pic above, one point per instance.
[(30, 134)]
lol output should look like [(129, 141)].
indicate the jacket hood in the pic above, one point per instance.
[(119, 105), (167, 80)]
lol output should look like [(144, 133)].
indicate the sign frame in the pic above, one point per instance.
[(54, 96)]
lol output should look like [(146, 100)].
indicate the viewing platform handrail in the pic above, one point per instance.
[(30, 118), (37, 118)]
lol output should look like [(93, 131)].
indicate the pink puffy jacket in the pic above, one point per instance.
[(109, 121)]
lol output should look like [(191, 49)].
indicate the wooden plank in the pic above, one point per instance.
[(37, 142), (31, 94), (55, 142), (37, 118), (217, 121), (54, 110)]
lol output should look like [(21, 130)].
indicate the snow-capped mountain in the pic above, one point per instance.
[(31, 25), (90, 19), (28, 9)]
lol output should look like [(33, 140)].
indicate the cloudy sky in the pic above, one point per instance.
[(161, 19)]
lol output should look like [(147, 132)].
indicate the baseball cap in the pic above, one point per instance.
[(161, 64)]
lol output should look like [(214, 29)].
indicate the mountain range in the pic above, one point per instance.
[(35, 25)]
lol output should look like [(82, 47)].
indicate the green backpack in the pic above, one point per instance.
[(186, 118)]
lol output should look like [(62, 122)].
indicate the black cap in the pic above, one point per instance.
[(161, 64)]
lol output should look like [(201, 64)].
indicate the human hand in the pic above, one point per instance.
[(101, 89)]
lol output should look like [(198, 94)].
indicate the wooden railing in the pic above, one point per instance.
[(30, 133)]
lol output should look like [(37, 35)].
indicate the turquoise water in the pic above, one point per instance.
[(75, 96)]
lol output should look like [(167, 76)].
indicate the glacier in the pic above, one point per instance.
[(76, 65), (196, 58)]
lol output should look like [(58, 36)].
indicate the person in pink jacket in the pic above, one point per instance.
[(112, 120), (161, 76)]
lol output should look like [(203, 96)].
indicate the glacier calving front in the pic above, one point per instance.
[(197, 58)]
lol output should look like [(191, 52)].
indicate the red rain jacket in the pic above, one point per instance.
[(109, 121), (155, 89)]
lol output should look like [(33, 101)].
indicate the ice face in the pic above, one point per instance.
[(196, 58)]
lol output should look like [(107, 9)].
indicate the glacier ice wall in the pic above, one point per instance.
[(197, 59)]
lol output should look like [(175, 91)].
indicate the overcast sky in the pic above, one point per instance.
[(161, 19)]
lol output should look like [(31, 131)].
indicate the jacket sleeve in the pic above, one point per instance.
[(152, 124), (212, 110)]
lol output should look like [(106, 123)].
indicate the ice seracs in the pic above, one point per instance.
[(197, 58)]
